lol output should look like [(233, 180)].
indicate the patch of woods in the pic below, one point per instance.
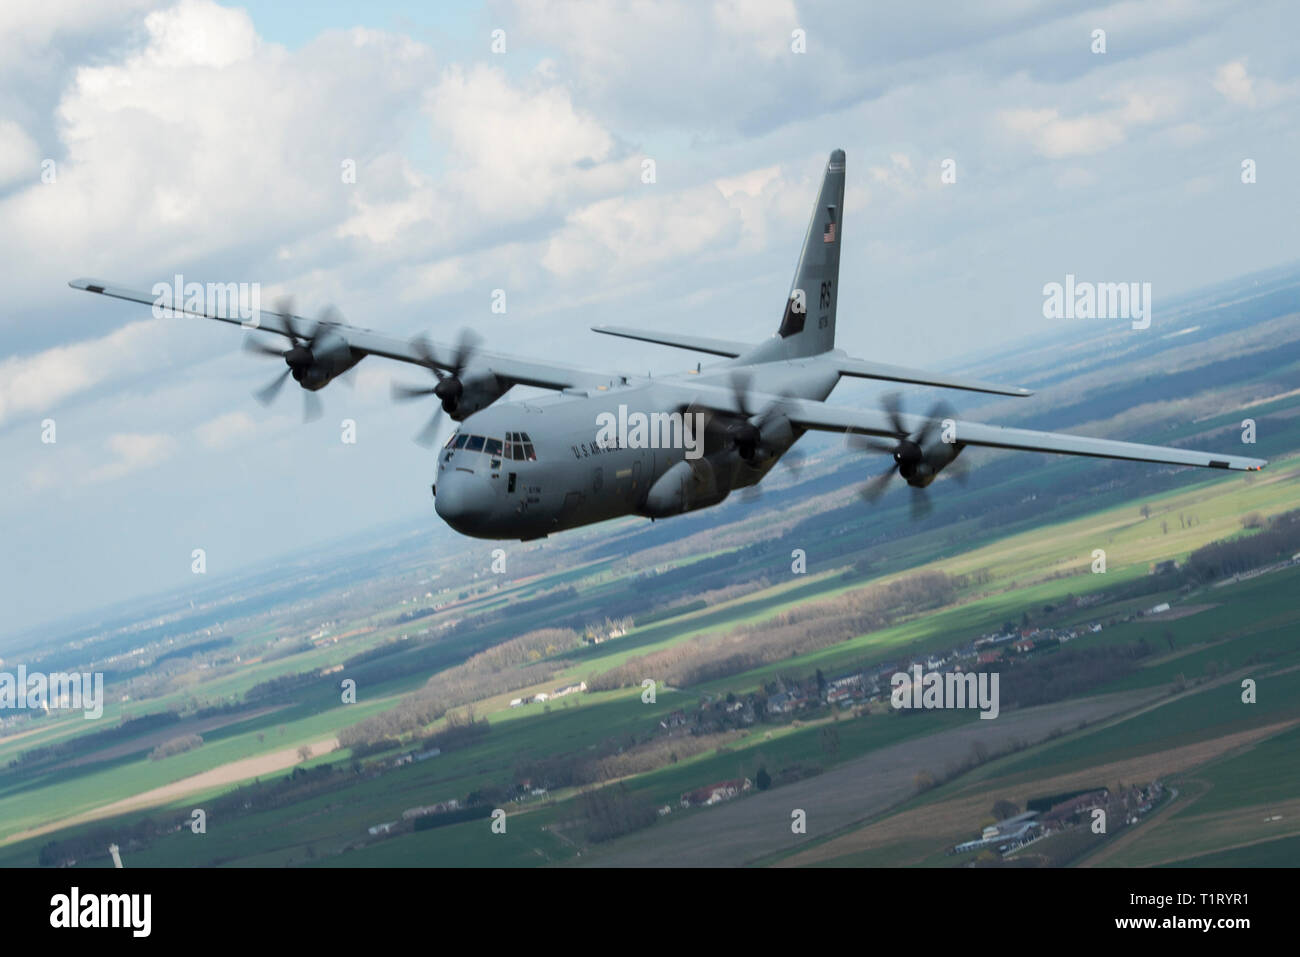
[(1069, 672), (805, 628), (459, 731), (280, 685), (134, 835), (85, 744), (515, 610), (186, 742), (517, 663), (610, 812), (1277, 538), (96, 740), (613, 759)]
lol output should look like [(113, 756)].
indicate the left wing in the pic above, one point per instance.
[(364, 342), (810, 414), (717, 347)]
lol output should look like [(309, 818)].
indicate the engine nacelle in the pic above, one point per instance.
[(461, 399), (923, 466), (329, 357), (688, 485), (756, 445)]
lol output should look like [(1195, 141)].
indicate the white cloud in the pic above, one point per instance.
[(654, 226), (39, 382), (133, 451), (516, 150), (204, 139), (226, 430), (1056, 136), (19, 155), (1235, 84), (763, 25)]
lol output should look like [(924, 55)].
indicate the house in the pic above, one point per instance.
[(541, 696), (988, 657), (517, 703), (1068, 809), (1157, 609), (838, 695), (716, 793), (384, 828)]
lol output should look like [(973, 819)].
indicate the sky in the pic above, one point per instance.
[(504, 146)]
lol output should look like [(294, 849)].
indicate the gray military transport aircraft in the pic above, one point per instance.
[(608, 445)]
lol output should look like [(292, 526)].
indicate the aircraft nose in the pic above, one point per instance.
[(461, 503)]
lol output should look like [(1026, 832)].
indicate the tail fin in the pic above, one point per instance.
[(808, 325)]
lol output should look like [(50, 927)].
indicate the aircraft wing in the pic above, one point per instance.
[(862, 369), (717, 347), (546, 375), (810, 414)]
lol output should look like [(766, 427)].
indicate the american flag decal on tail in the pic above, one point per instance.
[(829, 235)]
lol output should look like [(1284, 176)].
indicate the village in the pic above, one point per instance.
[(1097, 811)]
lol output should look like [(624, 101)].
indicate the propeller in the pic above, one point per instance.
[(906, 449), (297, 358), (448, 388), (747, 434)]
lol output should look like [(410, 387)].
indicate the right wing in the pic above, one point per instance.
[(545, 375)]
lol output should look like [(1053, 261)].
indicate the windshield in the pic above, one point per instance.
[(517, 446)]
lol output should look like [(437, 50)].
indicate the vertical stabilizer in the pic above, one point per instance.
[(808, 326)]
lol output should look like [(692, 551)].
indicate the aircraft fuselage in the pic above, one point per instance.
[(527, 468)]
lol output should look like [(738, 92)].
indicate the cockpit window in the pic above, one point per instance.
[(517, 447)]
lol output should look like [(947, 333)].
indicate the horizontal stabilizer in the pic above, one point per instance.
[(717, 347), (862, 369)]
